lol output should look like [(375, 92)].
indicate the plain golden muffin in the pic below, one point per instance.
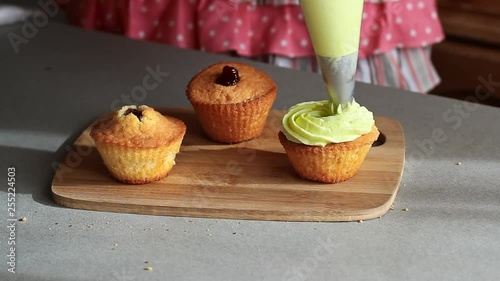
[(138, 144), (336, 162), (236, 109)]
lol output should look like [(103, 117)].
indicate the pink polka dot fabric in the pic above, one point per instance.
[(251, 29)]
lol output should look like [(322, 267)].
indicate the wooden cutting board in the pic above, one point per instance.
[(250, 180)]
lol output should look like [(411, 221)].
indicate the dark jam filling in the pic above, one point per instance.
[(134, 111), (228, 77)]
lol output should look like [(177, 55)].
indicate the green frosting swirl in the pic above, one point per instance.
[(319, 123)]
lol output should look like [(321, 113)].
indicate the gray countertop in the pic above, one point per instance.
[(62, 78)]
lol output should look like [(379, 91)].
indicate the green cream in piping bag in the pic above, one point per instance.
[(319, 123), (334, 27)]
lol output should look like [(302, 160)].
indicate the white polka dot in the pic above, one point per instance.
[(428, 30), (304, 43), (272, 30), (171, 23), (250, 8), (236, 30), (364, 42), (109, 16), (211, 33), (287, 17), (156, 22), (289, 31), (200, 22), (388, 37), (250, 33), (399, 20), (225, 43), (144, 9), (242, 46), (283, 43), (376, 51), (365, 15), (409, 6), (413, 33), (225, 18), (264, 19), (374, 27), (190, 26), (300, 16), (421, 5), (180, 37), (262, 45), (211, 8), (141, 34), (400, 45), (439, 38), (203, 49), (239, 22), (424, 43), (159, 35), (434, 15)]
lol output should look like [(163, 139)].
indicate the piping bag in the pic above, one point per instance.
[(335, 27)]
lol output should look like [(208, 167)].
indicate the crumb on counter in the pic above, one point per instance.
[(148, 268), (23, 219), (360, 221), (405, 209)]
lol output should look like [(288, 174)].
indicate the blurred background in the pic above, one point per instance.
[(471, 48), (468, 55)]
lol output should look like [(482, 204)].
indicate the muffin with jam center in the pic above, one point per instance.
[(231, 100), (138, 144)]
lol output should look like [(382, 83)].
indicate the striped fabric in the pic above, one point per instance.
[(394, 43), (404, 68), (295, 2), (408, 68)]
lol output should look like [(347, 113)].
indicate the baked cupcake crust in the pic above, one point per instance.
[(253, 83), (336, 162), (138, 145), (232, 114), (150, 130)]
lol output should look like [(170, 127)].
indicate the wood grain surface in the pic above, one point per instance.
[(250, 180)]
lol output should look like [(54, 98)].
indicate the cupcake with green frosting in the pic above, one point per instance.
[(327, 143)]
